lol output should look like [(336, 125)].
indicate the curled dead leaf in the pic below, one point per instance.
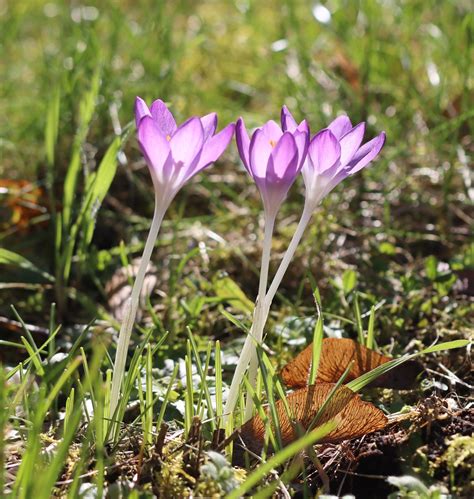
[(119, 288), (336, 354), (354, 417)]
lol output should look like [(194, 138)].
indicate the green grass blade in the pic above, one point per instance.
[(15, 260), (218, 383), (358, 320), (280, 457), (367, 378), (202, 374), (86, 112), (52, 125), (317, 346), (370, 329)]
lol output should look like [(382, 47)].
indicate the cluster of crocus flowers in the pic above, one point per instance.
[(332, 155), (274, 156)]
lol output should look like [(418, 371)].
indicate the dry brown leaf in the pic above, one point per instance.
[(336, 354), (354, 416)]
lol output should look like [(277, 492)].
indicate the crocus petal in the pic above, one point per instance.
[(334, 181), (243, 142), (187, 141), (283, 162), (214, 147), (141, 110), (153, 144), (340, 126), (366, 154), (302, 143), (303, 127), (351, 142), (209, 124), (288, 123), (272, 132), (163, 118), (260, 150), (324, 151)]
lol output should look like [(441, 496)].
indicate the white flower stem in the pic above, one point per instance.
[(262, 289), (262, 317), (132, 306), (249, 348), (284, 264)]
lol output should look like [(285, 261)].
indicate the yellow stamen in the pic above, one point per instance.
[(272, 143), (168, 137)]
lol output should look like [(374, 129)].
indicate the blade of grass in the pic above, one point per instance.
[(358, 319), (367, 378), (336, 387), (268, 376), (370, 329), (14, 259), (202, 374), (148, 437), (166, 398), (280, 457), (86, 112), (317, 346), (218, 383), (189, 393)]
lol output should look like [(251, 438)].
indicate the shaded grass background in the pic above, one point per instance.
[(398, 234)]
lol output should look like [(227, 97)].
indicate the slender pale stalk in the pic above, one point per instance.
[(284, 264), (249, 349), (254, 333), (238, 375), (262, 290), (132, 305)]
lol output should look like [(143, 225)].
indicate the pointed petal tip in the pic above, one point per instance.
[(287, 120), (209, 123), (243, 142), (340, 126), (367, 153), (141, 110), (214, 148)]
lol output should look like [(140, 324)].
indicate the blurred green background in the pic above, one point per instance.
[(405, 66)]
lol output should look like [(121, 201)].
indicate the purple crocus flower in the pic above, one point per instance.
[(334, 154), (273, 157), (175, 153)]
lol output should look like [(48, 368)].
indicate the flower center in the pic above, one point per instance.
[(273, 143), (168, 137)]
